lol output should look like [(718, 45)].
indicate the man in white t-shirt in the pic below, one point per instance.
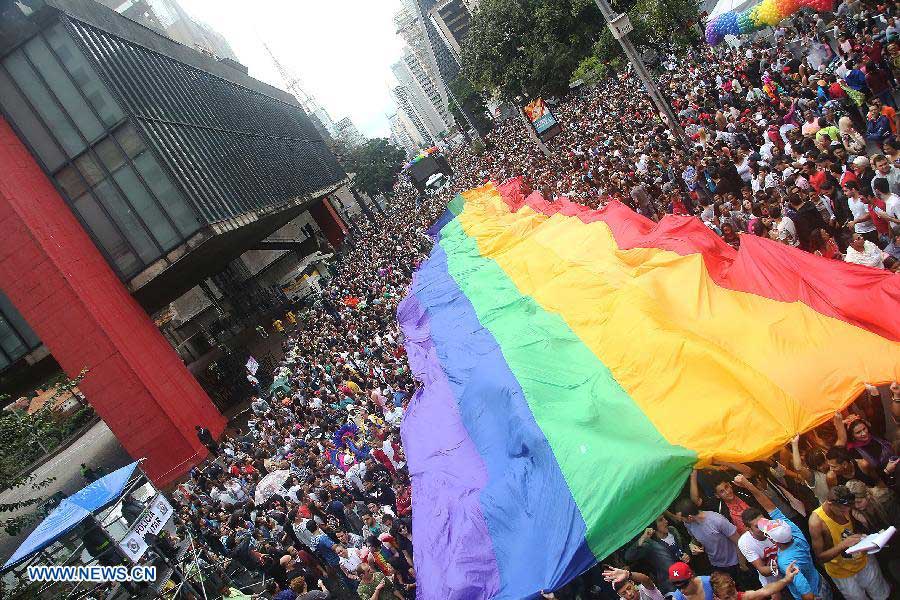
[(862, 220), (891, 201), (349, 559), (885, 170), (863, 252), (630, 585), (759, 550), (785, 230)]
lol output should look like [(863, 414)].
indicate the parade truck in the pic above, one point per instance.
[(422, 169)]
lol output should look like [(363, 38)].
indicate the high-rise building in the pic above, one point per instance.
[(443, 61), (418, 97), (132, 170), (401, 136), (168, 17), (348, 133), (420, 59), (452, 19), (407, 135), (410, 118)]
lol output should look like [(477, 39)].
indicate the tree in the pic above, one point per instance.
[(590, 70), (472, 101), (532, 48), (376, 165), (529, 47), (656, 23), (25, 439)]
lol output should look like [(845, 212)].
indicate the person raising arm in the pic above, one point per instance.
[(725, 589), (792, 547), (631, 585)]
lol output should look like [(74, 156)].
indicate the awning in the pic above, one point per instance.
[(72, 511)]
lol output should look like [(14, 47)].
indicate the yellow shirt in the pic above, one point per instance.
[(841, 567)]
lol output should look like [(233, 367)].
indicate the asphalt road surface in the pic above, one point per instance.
[(98, 447)]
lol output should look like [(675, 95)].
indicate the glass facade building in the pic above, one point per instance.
[(173, 162), (148, 149), (16, 337)]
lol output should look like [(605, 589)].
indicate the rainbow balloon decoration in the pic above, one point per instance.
[(759, 16)]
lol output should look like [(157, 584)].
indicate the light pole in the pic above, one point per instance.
[(620, 26)]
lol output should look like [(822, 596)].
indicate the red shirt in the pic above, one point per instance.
[(817, 179), (735, 508), (881, 226)]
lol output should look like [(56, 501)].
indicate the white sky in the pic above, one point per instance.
[(342, 50)]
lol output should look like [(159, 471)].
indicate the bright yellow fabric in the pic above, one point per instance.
[(728, 374)]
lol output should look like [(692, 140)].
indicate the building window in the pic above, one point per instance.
[(29, 126), (129, 224), (39, 97), (11, 346), (143, 203), (85, 77), (171, 199), (118, 250), (66, 93)]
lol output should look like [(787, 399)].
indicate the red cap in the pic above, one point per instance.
[(680, 572)]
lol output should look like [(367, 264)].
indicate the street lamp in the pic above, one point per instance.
[(620, 26)]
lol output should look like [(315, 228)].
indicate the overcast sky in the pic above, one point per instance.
[(341, 49)]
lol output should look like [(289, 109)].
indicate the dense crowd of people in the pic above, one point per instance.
[(790, 136)]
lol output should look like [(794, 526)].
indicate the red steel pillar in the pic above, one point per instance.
[(329, 221), (56, 277)]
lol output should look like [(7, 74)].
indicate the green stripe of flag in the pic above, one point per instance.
[(622, 473)]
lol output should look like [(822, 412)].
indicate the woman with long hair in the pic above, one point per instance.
[(822, 244), (730, 235)]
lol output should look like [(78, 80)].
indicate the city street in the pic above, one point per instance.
[(96, 448)]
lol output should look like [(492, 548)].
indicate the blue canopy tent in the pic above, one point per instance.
[(72, 511)]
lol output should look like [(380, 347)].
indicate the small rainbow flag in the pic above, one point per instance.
[(577, 364)]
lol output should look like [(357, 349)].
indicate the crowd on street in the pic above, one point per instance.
[(790, 136)]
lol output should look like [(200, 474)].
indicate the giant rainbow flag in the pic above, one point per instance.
[(577, 364)]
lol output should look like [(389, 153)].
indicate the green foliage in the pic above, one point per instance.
[(376, 165), (590, 70), (655, 22), (528, 47), (472, 101), (25, 590), (534, 48), (27, 438)]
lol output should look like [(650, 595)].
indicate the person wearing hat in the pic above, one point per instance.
[(792, 547), (687, 585), (832, 531)]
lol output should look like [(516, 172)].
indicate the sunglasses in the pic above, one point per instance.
[(680, 585)]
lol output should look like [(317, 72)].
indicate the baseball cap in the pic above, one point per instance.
[(776, 530), (680, 572)]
